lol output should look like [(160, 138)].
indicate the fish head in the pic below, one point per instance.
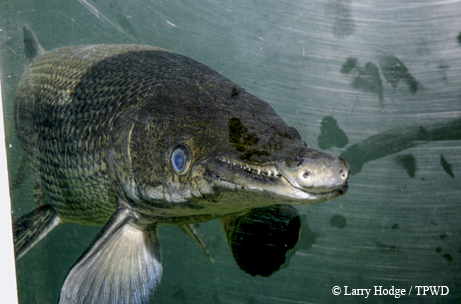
[(208, 152)]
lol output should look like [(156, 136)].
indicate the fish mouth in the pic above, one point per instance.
[(268, 177)]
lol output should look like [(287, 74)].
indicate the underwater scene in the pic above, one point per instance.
[(236, 151)]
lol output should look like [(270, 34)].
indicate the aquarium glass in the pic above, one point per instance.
[(375, 82)]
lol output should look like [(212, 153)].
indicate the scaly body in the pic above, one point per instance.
[(135, 136)]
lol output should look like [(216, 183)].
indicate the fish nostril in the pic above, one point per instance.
[(306, 174), (342, 173)]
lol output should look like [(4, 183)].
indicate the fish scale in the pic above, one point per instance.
[(57, 149)]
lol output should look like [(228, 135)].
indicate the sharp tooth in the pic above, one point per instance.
[(252, 169)]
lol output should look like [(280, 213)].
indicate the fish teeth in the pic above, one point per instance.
[(252, 169)]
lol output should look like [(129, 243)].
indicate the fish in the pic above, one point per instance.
[(132, 137)]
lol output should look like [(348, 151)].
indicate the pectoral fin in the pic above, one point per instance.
[(122, 265), (32, 227)]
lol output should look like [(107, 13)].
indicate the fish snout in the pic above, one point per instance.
[(319, 174)]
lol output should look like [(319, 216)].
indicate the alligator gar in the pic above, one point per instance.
[(133, 137)]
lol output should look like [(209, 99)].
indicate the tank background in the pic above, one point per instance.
[(391, 229)]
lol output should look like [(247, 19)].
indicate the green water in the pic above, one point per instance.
[(339, 72)]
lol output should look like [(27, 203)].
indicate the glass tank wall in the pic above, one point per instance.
[(375, 82)]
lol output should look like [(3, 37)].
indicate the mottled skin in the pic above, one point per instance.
[(100, 122)]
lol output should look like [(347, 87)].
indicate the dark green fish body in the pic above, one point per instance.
[(132, 137), (64, 124)]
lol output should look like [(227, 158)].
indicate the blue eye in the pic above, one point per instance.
[(179, 159)]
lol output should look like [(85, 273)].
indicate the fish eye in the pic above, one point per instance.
[(180, 159)]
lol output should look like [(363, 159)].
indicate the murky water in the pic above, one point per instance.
[(377, 82)]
